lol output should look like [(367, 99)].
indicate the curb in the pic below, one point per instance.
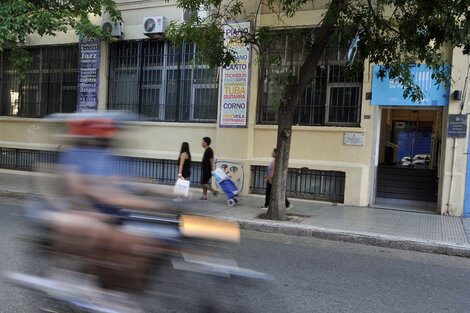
[(14, 194), (358, 238)]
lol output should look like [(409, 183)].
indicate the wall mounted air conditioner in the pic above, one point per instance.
[(116, 29), (155, 25)]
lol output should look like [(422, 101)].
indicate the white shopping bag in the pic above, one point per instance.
[(219, 175), (181, 188)]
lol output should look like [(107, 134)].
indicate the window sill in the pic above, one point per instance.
[(174, 124), (329, 129), (5, 118), (141, 123)]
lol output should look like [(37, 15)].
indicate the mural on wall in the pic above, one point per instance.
[(234, 170)]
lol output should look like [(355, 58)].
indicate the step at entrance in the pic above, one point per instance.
[(407, 183)]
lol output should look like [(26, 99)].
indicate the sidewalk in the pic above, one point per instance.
[(378, 227)]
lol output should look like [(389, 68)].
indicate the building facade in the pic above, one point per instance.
[(351, 144)]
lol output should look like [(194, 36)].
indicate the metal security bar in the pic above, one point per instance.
[(50, 84), (333, 97), (25, 159), (305, 183), (161, 81), (154, 170)]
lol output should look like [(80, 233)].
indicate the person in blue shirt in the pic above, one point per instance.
[(90, 170)]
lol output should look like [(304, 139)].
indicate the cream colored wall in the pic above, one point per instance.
[(452, 188), (103, 76), (29, 133), (163, 140), (133, 13), (362, 188)]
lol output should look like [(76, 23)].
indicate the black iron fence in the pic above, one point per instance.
[(305, 183), (26, 159), (153, 170), (301, 183), (156, 170)]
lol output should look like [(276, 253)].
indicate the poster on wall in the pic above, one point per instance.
[(88, 67), (236, 78)]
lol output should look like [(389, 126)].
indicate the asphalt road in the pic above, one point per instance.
[(310, 276)]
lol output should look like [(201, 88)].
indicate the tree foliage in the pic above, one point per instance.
[(20, 18), (388, 31)]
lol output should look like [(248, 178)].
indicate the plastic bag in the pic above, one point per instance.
[(181, 188), (219, 175)]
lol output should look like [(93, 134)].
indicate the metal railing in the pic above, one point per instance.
[(156, 170), (305, 183), (152, 170)]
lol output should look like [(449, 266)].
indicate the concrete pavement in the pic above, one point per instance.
[(384, 228)]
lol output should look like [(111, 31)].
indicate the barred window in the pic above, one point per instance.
[(158, 80), (50, 85), (333, 97)]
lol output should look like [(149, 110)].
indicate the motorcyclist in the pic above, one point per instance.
[(96, 196), (90, 170)]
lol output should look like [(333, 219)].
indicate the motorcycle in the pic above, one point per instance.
[(113, 262)]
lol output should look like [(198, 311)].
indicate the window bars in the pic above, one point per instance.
[(162, 82), (333, 97), (50, 84), (305, 183)]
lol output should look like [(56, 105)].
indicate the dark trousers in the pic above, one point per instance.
[(268, 196)]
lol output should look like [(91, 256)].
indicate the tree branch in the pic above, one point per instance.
[(308, 68)]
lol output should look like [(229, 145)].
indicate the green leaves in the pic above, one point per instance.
[(394, 31), (21, 18)]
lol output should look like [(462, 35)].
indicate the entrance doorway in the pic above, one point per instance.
[(409, 158)]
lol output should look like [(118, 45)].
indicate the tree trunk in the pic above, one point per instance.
[(277, 205)]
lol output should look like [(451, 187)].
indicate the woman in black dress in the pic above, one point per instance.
[(184, 162)]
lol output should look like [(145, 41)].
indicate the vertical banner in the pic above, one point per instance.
[(88, 67), (236, 78)]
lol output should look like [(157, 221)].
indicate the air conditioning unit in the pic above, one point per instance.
[(154, 25), (116, 29)]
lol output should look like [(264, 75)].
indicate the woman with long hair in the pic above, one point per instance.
[(184, 162)]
